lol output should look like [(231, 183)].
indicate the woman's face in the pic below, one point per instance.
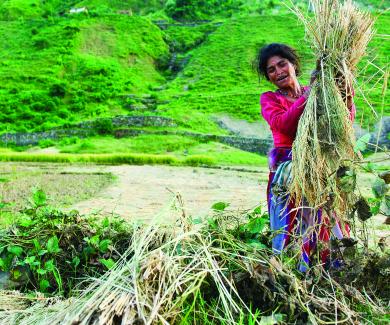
[(281, 72)]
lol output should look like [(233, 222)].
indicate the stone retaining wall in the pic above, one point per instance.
[(124, 120), (85, 129), (26, 139), (88, 128)]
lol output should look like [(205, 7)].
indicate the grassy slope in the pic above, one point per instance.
[(220, 79), (71, 68), (60, 71), (64, 69), (219, 75)]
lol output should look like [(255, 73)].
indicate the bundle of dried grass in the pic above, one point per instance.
[(339, 34), (11, 300)]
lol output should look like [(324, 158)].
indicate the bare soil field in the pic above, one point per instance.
[(144, 191)]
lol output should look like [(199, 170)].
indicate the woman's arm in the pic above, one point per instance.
[(281, 118)]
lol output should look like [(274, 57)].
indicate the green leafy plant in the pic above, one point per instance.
[(220, 206), (49, 250), (252, 232), (252, 229)]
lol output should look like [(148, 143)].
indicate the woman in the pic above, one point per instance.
[(282, 109)]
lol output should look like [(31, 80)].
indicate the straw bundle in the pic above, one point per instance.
[(339, 34), (11, 300)]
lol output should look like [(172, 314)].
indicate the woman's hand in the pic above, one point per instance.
[(316, 71), (313, 76), (345, 88)]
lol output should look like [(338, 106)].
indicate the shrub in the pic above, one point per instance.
[(41, 43), (63, 113), (104, 126), (57, 90), (68, 141), (199, 9), (45, 143)]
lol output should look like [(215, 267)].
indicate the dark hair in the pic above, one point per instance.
[(272, 49)]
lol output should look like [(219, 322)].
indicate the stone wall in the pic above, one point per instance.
[(124, 120), (26, 139), (123, 125), (84, 129)]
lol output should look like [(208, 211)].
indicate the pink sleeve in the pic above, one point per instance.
[(280, 118), (352, 108), (352, 112)]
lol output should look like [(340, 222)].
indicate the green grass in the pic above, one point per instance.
[(185, 38), (73, 68), (143, 149), (225, 155), (109, 159), (148, 144), (6, 218), (63, 187), (177, 146)]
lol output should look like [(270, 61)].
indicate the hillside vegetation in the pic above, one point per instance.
[(59, 68)]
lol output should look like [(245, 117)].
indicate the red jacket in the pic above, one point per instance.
[(283, 116)]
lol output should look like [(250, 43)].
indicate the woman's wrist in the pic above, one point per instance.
[(306, 92)]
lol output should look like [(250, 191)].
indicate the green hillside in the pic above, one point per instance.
[(58, 68), (66, 69), (219, 77)]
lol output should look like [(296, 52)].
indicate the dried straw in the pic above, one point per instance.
[(167, 267), (339, 34)]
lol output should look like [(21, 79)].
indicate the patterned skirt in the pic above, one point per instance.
[(298, 225)]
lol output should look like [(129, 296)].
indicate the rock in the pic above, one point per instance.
[(381, 134), (137, 107), (385, 176), (7, 281)]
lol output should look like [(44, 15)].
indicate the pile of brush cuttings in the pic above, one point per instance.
[(338, 33), (206, 274)]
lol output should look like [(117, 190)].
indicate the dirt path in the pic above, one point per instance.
[(143, 191)]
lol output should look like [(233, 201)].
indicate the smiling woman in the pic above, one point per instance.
[(282, 109)]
